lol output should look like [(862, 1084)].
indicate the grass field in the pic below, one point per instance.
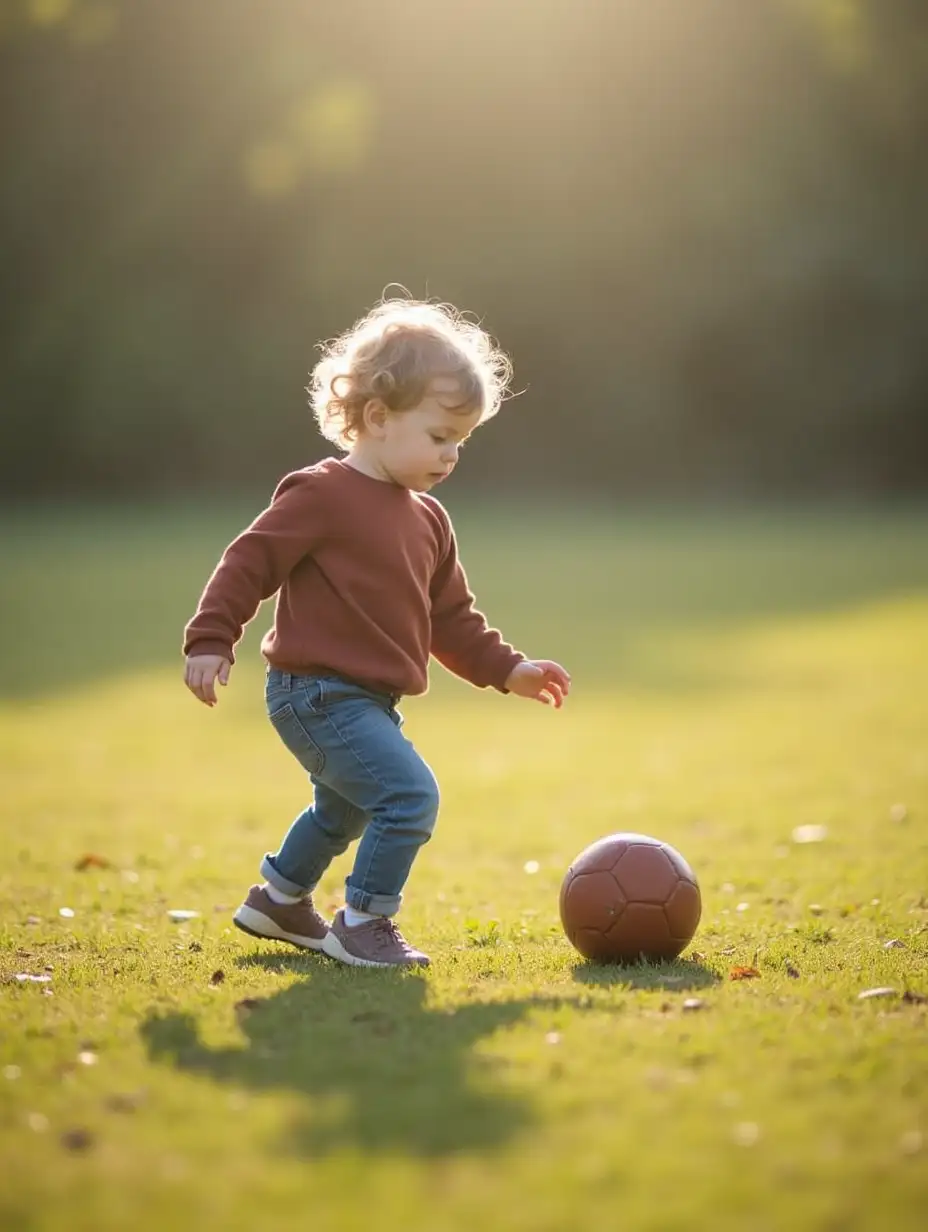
[(735, 676)]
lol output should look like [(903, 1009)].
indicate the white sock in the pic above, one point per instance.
[(354, 918), (278, 896)]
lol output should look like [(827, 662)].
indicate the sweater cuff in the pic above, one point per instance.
[(507, 666), (205, 647)]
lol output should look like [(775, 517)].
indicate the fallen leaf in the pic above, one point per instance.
[(894, 944), (67, 912), (87, 1057), (729, 949), (914, 998), (697, 956), (92, 860), (33, 919), (531, 866), (195, 947), (792, 971), (178, 915), (217, 977), (744, 973), (37, 1122), (553, 1037), (693, 1003), (869, 993), (77, 1139), (816, 909), (25, 977)]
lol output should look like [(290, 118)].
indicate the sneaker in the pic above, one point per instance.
[(378, 943), (299, 923)]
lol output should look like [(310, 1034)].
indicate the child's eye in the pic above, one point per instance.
[(439, 440)]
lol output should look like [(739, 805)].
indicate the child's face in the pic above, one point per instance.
[(419, 448)]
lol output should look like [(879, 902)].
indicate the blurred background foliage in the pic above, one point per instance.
[(700, 227)]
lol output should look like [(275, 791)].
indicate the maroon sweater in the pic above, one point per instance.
[(369, 585)]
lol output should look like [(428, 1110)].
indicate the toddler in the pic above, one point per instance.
[(365, 566)]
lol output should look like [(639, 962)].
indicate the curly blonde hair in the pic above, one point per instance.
[(393, 354)]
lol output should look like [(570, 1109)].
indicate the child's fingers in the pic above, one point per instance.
[(553, 689), (200, 682), (208, 688), (549, 692), (554, 671)]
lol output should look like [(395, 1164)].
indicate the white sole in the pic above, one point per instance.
[(259, 925), (334, 948)]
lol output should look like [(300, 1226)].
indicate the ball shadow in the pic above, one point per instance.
[(680, 975)]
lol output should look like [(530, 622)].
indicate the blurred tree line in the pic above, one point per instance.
[(700, 227)]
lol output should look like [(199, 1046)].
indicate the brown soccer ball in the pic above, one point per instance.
[(628, 897)]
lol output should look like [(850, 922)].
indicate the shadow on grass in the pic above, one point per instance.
[(383, 1072), (681, 975)]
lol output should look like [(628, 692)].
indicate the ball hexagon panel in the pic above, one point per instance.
[(600, 856), (591, 943), (642, 929), (683, 908), (646, 874), (591, 900), (683, 869)]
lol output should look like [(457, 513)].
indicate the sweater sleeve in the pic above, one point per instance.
[(462, 641), (254, 566)]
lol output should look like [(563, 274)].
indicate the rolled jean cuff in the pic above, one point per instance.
[(278, 881), (374, 904)]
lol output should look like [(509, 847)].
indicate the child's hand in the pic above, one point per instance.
[(540, 679), (200, 676)]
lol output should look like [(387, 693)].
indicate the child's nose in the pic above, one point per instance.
[(450, 452)]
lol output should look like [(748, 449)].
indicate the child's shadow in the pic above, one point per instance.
[(384, 1071)]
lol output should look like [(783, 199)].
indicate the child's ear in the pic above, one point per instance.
[(375, 417)]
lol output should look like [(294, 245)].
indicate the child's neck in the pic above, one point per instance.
[(361, 457)]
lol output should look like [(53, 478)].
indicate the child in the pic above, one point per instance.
[(369, 582)]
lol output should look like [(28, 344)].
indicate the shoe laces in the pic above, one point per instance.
[(387, 933)]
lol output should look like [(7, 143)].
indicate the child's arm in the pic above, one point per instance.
[(463, 642), (252, 569)]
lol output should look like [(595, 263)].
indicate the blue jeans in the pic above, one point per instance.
[(368, 783)]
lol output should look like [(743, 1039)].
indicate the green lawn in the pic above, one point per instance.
[(735, 676)]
